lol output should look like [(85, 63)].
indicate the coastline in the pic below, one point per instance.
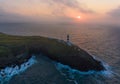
[(42, 72), (16, 50)]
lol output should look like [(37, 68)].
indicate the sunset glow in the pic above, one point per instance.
[(79, 17), (59, 11), (66, 41)]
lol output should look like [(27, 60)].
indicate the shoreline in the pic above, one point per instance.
[(42, 72), (7, 73), (12, 46)]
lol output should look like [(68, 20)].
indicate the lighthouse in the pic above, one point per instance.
[(68, 38)]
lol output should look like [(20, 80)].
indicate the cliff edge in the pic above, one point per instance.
[(15, 50)]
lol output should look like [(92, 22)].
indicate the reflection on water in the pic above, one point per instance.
[(100, 41)]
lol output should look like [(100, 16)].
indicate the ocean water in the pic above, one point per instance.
[(9, 72), (101, 41)]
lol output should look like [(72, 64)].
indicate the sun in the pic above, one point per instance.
[(79, 17)]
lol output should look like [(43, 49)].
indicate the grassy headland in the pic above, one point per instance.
[(15, 50)]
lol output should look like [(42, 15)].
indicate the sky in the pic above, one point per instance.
[(65, 11)]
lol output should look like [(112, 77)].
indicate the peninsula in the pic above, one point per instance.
[(15, 50)]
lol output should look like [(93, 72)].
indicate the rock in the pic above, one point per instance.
[(15, 50)]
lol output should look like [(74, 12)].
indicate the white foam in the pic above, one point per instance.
[(60, 67), (7, 73), (108, 72), (64, 68)]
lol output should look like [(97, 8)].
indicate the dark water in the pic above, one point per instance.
[(101, 41)]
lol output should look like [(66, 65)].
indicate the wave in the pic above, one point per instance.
[(76, 75), (7, 73)]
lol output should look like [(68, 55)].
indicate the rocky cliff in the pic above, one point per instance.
[(15, 50)]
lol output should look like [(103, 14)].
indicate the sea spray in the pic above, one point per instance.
[(7, 73), (108, 70), (79, 76)]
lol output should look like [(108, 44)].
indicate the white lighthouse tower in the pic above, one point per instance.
[(68, 38)]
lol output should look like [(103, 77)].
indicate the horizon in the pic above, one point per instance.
[(60, 41), (60, 11)]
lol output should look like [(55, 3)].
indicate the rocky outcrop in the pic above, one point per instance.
[(17, 49), (74, 57)]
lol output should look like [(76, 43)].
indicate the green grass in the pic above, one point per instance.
[(11, 46), (34, 44), (16, 49)]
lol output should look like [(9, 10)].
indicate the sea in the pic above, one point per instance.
[(101, 41)]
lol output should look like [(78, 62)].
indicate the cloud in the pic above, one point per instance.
[(115, 13), (1, 11), (112, 17), (74, 4), (57, 9), (70, 3), (6, 16)]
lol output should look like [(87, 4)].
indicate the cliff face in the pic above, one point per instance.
[(17, 49)]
